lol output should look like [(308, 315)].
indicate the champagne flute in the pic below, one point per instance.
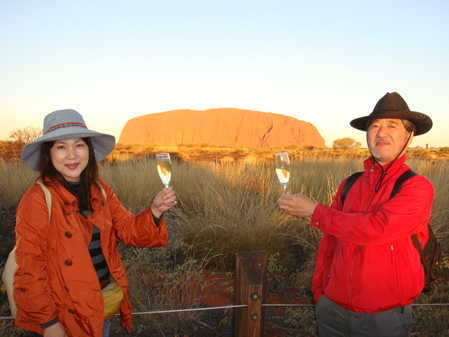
[(164, 167), (282, 163)]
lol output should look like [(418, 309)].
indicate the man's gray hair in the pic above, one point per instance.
[(409, 126)]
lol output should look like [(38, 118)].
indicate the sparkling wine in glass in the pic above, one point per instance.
[(282, 163), (164, 168)]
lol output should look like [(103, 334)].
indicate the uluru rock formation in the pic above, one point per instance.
[(227, 127)]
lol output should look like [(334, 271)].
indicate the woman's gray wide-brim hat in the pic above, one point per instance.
[(64, 124), (392, 105)]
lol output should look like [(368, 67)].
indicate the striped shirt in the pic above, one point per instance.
[(96, 254)]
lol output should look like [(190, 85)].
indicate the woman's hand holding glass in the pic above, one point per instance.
[(163, 201)]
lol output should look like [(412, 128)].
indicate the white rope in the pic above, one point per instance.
[(242, 306), (173, 311), (192, 309), (288, 305), (312, 305)]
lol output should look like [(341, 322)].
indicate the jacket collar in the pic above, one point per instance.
[(371, 166), (69, 202)]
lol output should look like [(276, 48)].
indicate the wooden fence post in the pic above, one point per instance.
[(250, 287)]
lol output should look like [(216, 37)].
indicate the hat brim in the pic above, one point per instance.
[(422, 122), (102, 143)]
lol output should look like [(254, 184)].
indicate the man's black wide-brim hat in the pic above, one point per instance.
[(392, 105)]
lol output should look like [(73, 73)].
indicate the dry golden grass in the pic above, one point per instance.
[(227, 202), (15, 178), (225, 207)]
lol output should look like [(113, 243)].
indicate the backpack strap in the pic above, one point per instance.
[(397, 186), (417, 243), (404, 177), (47, 197), (102, 190), (430, 254), (348, 184)]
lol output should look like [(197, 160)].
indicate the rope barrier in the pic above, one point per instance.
[(192, 309), (312, 305), (173, 311), (288, 305), (245, 305), (428, 304)]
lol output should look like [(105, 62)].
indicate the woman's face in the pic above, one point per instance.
[(70, 157)]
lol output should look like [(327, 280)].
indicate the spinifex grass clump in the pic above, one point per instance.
[(227, 208), (135, 182), (231, 208), (15, 178)]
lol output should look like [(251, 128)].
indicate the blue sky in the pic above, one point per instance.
[(324, 62)]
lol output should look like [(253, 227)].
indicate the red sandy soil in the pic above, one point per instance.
[(220, 292)]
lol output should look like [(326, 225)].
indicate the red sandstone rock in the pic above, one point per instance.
[(227, 127)]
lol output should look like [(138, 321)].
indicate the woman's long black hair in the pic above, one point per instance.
[(88, 177)]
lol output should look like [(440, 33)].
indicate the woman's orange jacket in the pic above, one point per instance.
[(55, 275)]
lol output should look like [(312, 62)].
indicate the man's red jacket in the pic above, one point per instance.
[(366, 259)]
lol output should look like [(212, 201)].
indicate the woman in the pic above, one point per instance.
[(68, 254)]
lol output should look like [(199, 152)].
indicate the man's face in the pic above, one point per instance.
[(386, 137)]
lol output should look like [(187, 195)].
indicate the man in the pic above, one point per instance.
[(368, 271)]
